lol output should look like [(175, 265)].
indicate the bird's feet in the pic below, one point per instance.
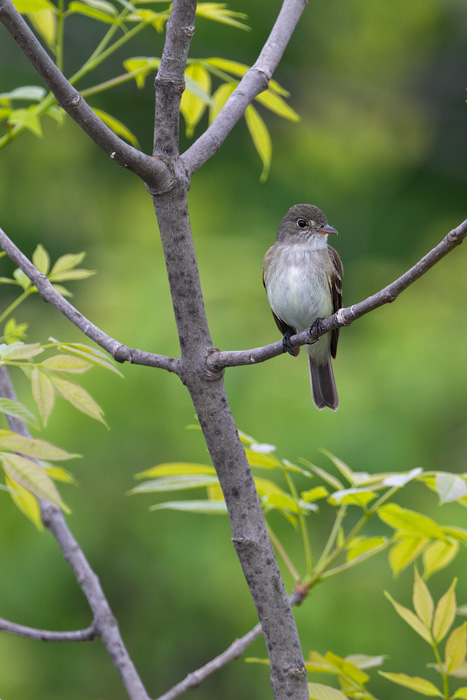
[(315, 330), (286, 345)]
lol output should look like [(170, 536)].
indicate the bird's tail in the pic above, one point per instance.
[(323, 385)]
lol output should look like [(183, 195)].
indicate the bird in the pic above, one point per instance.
[(302, 276)]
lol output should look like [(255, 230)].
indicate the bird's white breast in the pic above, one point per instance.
[(297, 284)]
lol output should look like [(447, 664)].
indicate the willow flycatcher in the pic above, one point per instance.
[(302, 275)]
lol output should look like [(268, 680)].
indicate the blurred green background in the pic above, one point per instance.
[(381, 149)]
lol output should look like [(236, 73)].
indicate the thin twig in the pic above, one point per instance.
[(119, 352), (344, 317), (85, 635), (104, 623), (153, 171)]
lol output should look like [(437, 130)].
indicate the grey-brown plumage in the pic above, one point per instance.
[(302, 275)]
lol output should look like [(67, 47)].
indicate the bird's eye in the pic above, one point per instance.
[(301, 223)]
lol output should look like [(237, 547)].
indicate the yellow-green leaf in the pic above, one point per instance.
[(218, 12), (276, 104), (196, 95), (20, 351), (445, 613), (79, 398), (95, 13), (456, 648), (314, 494), (354, 497), (460, 694), (266, 487), (263, 461), (347, 669), (17, 410), (450, 487), (420, 685), (438, 555), (422, 600), (32, 447), (32, 477), (25, 501), (318, 691), (45, 23), (118, 128), (174, 469), (66, 363), (411, 619), (181, 482), (27, 118), (363, 545), (410, 521), (203, 507), (24, 6), (41, 259), (219, 98), (261, 139), (239, 69), (404, 552), (140, 67), (43, 393)]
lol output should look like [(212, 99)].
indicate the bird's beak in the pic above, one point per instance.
[(326, 229)]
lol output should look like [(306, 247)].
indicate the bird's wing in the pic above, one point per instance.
[(335, 285)]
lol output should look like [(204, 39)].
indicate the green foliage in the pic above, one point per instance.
[(26, 461), (350, 541), (130, 19)]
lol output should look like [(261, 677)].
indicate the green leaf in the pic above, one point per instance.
[(26, 92), (266, 487), (15, 331), (354, 497), (363, 545), (318, 691), (422, 601), (45, 23), (102, 5), (32, 477), (420, 685), (411, 619), (117, 127), (25, 501), (204, 507), (365, 661), (93, 355), (344, 469), (460, 694), (283, 502), (218, 12), (24, 6), (142, 64), (43, 393), (20, 351), (41, 259), (402, 479), (314, 494), (58, 473), (263, 461), (83, 9), (276, 104), (176, 483), (347, 669), (66, 363), (405, 551), (450, 487), (325, 476), (32, 447), (22, 279), (219, 98), (410, 521), (438, 555), (78, 397), (456, 648), (261, 139), (17, 410), (196, 96), (445, 613), (66, 262), (26, 118), (175, 469)]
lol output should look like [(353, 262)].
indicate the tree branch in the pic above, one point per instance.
[(154, 172), (253, 82), (121, 353), (217, 360), (104, 623), (85, 635)]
